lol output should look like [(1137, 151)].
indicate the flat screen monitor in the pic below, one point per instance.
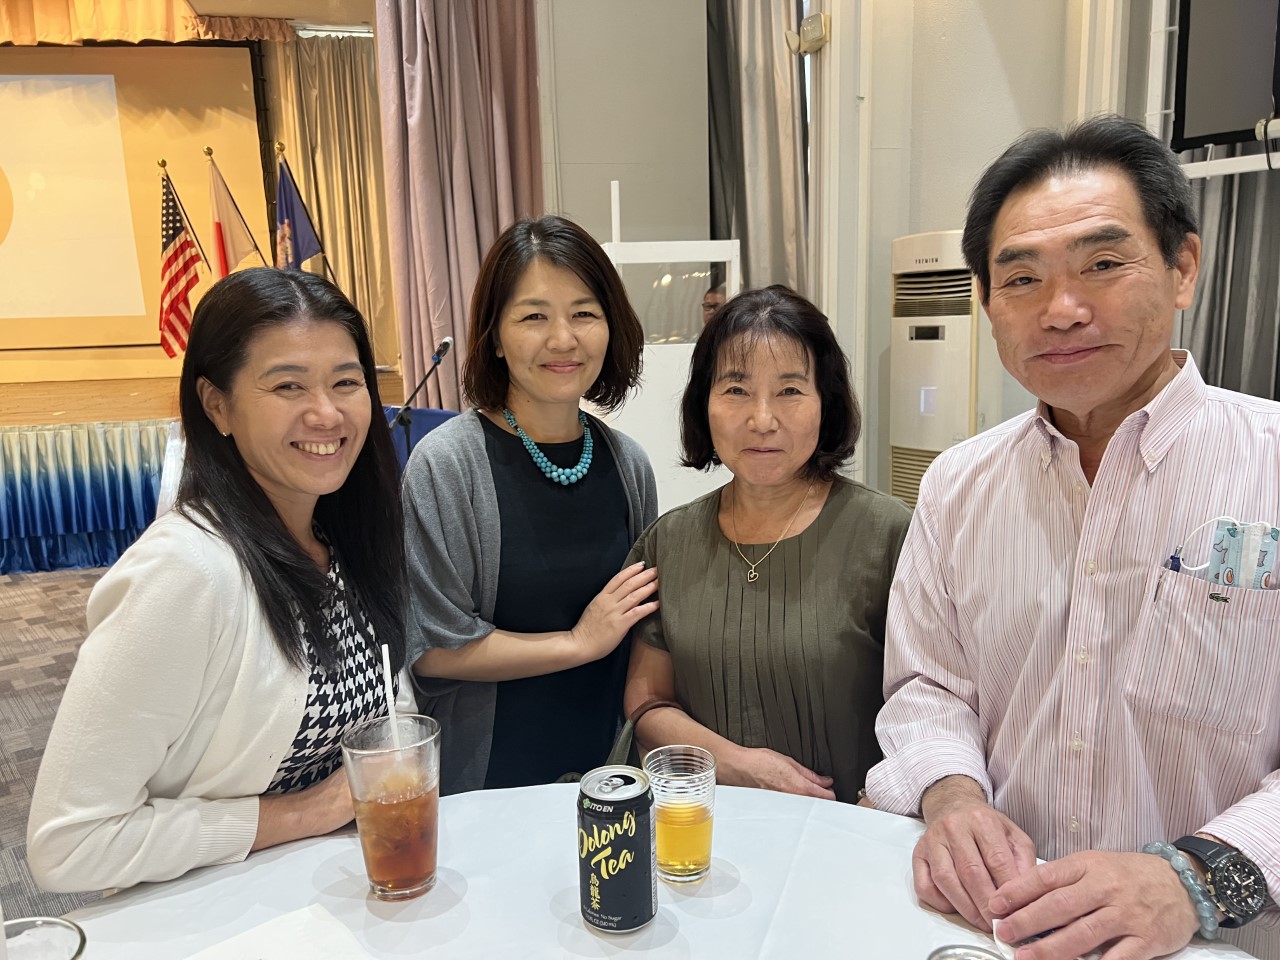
[(1227, 75)]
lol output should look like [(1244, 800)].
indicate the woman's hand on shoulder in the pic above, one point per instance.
[(617, 608), (770, 770)]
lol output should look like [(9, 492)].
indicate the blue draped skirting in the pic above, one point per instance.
[(76, 495)]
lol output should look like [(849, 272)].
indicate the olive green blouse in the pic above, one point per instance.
[(793, 661)]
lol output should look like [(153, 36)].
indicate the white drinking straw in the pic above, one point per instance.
[(391, 696)]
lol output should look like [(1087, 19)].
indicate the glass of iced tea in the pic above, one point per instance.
[(683, 779), (396, 792)]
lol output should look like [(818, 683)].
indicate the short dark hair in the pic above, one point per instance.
[(1102, 141), (561, 243), (362, 519), (746, 319)]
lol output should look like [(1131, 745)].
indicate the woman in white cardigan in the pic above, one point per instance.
[(237, 639)]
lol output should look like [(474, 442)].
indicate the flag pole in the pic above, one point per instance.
[(164, 173), (208, 152), (323, 256)]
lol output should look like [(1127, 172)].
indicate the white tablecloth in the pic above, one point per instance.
[(790, 877)]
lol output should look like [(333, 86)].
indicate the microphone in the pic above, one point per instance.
[(404, 415)]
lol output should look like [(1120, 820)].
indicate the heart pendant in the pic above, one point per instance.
[(752, 576)]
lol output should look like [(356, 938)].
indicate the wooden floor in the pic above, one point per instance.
[(94, 401)]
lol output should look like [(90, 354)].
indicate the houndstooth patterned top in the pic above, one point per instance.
[(336, 701)]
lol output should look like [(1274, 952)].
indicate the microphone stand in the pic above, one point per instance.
[(404, 416)]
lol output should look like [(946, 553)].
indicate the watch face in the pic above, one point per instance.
[(1239, 887)]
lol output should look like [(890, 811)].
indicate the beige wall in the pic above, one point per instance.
[(953, 83), (172, 101), (624, 97)]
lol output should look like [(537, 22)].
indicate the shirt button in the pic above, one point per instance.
[(1078, 488), (1073, 825), (1082, 657), (1090, 567), (1076, 743)]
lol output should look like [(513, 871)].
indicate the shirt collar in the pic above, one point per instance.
[(1172, 410), (1161, 421)]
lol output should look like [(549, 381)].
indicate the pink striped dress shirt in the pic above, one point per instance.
[(1036, 643)]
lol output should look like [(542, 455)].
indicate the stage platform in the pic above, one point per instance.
[(88, 401)]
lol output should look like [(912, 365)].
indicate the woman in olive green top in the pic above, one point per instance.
[(768, 645)]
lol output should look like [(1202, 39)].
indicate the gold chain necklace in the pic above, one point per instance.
[(752, 575)]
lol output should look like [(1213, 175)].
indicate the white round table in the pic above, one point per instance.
[(790, 877)]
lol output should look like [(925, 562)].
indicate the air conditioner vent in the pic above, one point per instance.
[(932, 308), (943, 284), (944, 293), (906, 469)]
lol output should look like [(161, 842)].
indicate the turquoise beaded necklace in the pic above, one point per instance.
[(563, 475)]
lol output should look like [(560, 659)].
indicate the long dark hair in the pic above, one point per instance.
[(561, 243), (361, 520)]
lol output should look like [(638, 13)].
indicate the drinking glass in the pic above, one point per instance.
[(683, 779), (42, 938), (396, 792)]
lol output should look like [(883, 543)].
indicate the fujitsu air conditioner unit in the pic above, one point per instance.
[(945, 378)]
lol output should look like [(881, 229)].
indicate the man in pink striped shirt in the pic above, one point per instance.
[(1056, 687)]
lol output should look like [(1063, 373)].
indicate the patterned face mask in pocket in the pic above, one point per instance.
[(1264, 575), (1241, 555)]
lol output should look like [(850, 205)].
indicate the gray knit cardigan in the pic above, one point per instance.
[(453, 545)]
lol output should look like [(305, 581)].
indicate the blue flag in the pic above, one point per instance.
[(296, 238)]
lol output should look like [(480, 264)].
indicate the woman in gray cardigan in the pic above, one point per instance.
[(519, 515)]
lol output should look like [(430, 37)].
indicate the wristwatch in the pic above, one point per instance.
[(1235, 883)]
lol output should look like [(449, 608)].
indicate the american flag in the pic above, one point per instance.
[(177, 273)]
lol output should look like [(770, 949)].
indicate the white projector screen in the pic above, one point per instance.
[(68, 212), (81, 129)]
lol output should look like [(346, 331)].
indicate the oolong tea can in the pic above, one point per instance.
[(617, 857)]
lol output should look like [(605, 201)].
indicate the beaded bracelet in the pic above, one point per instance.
[(1206, 909)]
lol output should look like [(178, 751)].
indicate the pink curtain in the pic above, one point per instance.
[(458, 84)]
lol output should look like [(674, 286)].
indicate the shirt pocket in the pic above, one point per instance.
[(1206, 654)]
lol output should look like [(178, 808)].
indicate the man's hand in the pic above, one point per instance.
[(968, 850), (1132, 903)]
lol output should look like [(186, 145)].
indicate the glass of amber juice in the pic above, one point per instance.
[(396, 792), (684, 793)]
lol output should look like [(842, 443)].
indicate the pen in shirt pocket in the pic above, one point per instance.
[(1174, 563), (1240, 554)]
